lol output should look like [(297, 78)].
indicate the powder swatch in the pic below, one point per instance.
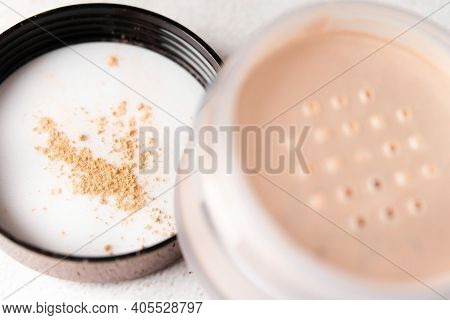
[(90, 175)]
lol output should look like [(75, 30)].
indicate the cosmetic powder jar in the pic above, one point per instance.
[(259, 235)]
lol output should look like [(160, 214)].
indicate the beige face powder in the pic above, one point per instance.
[(378, 152)]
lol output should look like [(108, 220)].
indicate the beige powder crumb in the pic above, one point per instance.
[(82, 137), (63, 233), (132, 122), (126, 147), (112, 61), (103, 199), (101, 123), (132, 133), (94, 176), (45, 124), (145, 116), (150, 142), (107, 248), (145, 112), (143, 157), (121, 109)]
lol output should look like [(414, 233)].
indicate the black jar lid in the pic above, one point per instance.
[(108, 23)]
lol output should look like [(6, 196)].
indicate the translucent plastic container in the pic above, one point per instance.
[(225, 234)]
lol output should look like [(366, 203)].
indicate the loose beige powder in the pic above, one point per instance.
[(90, 175), (112, 61), (121, 109)]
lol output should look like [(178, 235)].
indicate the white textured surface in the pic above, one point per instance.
[(223, 24)]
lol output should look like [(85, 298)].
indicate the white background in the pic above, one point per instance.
[(223, 24)]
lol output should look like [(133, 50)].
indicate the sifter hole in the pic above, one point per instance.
[(357, 223), (387, 214), (338, 102), (390, 149), (345, 193), (350, 127), (403, 115), (375, 185), (416, 206), (365, 95), (311, 108)]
